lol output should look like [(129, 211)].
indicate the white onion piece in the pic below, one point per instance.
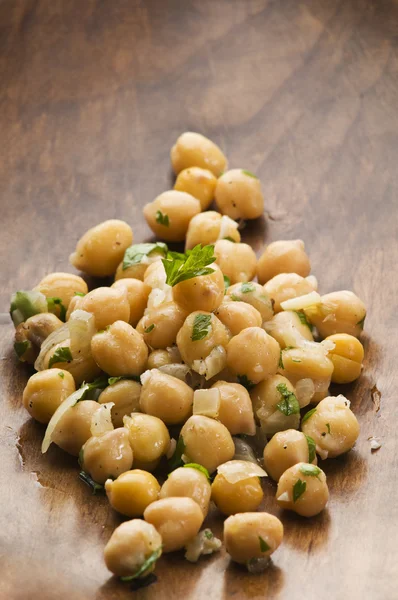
[(301, 302), (212, 364), (226, 224), (312, 280), (177, 370), (206, 402), (243, 451), (101, 421), (81, 326), (172, 447), (305, 391), (239, 470), (328, 345), (204, 543), (56, 337), (277, 421), (284, 497), (146, 375), (59, 413)]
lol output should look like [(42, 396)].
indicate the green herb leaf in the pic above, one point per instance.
[(134, 254), (227, 282), (235, 298), (145, 565), (79, 294), (311, 448), (299, 489), (296, 360), (245, 288), (162, 219), (61, 355), (180, 267), (201, 327), (199, 468), (96, 488), (93, 388), (311, 470), (229, 239), (113, 380), (54, 304), (264, 547), (328, 427), (25, 304), (280, 364), (249, 173), (61, 374), (361, 323), (243, 380), (308, 415), (21, 347), (176, 460), (303, 319), (289, 404), (208, 534), (150, 328)]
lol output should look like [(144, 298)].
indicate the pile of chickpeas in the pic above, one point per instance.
[(183, 383)]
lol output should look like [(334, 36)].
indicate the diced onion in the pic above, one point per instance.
[(172, 447), (56, 337), (284, 497), (174, 354), (239, 470), (59, 413), (207, 402), (305, 391), (312, 280), (101, 421), (81, 327), (177, 370), (204, 543), (243, 451), (146, 375), (226, 225), (301, 302), (213, 364), (374, 443)]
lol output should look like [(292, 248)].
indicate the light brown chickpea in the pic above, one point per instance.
[(286, 286), (177, 520), (339, 312), (238, 194), (148, 438), (138, 270), (237, 261), (125, 394), (250, 536), (236, 410), (158, 358), (303, 489), (285, 449), (207, 442), (45, 391), (132, 492), (195, 150), (102, 247), (245, 495), (74, 427), (208, 227), (169, 214), (254, 294), (283, 256), (310, 362), (160, 325), (347, 357), (166, 397), (30, 335), (107, 304), (237, 316), (253, 354), (107, 455), (188, 482), (204, 293), (199, 335), (287, 328), (82, 366), (275, 404), (155, 275), (62, 285), (198, 182), (120, 350), (137, 295)]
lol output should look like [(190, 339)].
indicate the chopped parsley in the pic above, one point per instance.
[(21, 347), (308, 415), (145, 565), (289, 404), (96, 488), (79, 294), (61, 374), (208, 534), (245, 381), (113, 380), (303, 319), (264, 547), (229, 239), (134, 254), (227, 282), (201, 327), (150, 328), (53, 304), (311, 470), (61, 355), (311, 448), (26, 304), (180, 267), (198, 468), (249, 173), (328, 427), (176, 460), (280, 364), (299, 489), (245, 288), (162, 219)]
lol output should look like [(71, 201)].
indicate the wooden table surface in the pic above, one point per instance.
[(93, 94)]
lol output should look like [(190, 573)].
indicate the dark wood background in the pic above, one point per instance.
[(93, 94)]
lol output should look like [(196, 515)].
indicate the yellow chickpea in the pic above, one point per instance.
[(82, 367), (208, 227), (339, 312), (45, 391), (155, 275), (275, 404), (252, 293), (236, 410), (125, 394), (283, 256), (309, 362), (198, 182), (207, 442), (204, 293), (288, 329), (160, 326), (200, 334), (195, 150), (107, 304), (120, 350), (347, 357), (137, 295), (148, 437), (74, 427), (166, 397), (238, 194), (303, 489), (188, 482), (242, 496), (285, 449), (252, 536), (237, 316), (158, 358), (132, 492), (169, 214), (107, 455), (102, 247), (253, 354), (62, 285), (30, 335), (236, 261), (286, 286)]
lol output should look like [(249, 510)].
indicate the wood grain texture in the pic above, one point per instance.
[(303, 92)]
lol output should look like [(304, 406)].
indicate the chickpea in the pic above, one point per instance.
[(62, 285), (138, 270), (120, 350), (303, 489), (125, 394), (137, 295), (130, 546), (169, 214), (158, 358), (207, 228), (107, 304), (30, 335), (285, 449), (188, 482), (132, 492), (177, 520), (253, 354), (155, 275), (200, 183), (309, 362), (236, 261), (195, 150), (74, 304), (275, 404), (82, 366), (45, 391), (102, 247), (347, 357), (251, 536), (148, 437), (288, 329), (252, 293), (237, 316), (245, 495), (339, 312), (286, 286), (74, 427), (160, 326), (207, 442), (238, 194), (107, 455), (204, 293), (235, 411), (166, 397), (283, 256), (333, 426), (199, 335)]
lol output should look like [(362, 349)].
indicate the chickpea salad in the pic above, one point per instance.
[(195, 374)]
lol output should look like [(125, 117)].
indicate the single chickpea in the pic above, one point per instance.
[(82, 367), (207, 442), (252, 536), (303, 489), (120, 350), (107, 304), (283, 256), (132, 492), (347, 357), (177, 520), (188, 482), (107, 455), (137, 295), (236, 261), (148, 437), (63, 286), (125, 395), (45, 391), (74, 427), (195, 150), (158, 358), (245, 495), (198, 182), (155, 275), (138, 270), (308, 362), (253, 355), (130, 547), (236, 410), (102, 247), (30, 335), (169, 214), (160, 325), (237, 316), (252, 293), (285, 449), (166, 397), (333, 426), (275, 404), (339, 312), (289, 328), (238, 194), (205, 292), (208, 227), (286, 286)]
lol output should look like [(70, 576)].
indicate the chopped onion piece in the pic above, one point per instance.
[(59, 413), (101, 421), (177, 370), (204, 543), (374, 443), (312, 280), (243, 451), (284, 497), (146, 375), (213, 364), (172, 447), (174, 354), (56, 337), (239, 470), (207, 402), (301, 302), (305, 391), (226, 225), (81, 326), (329, 345)]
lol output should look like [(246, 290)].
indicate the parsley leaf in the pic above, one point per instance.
[(53, 303), (311, 470), (93, 388), (201, 327), (311, 448), (21, 347), (308, 415), (134, 254), (249, 173), (227, 282), (245, 288), (229, 239), (199, 468), (61, 355), (264, 547), (162, 219), (113, 380), (208, 534), (303, 319), (180, 267), (79, 294), (176, 460), (26, 304), (328, 427), (361, 323), (61, 374), (299, 489), (145, 565), (280, 364), (289, 404), (96, 488), (243, 380), (150, 328)]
